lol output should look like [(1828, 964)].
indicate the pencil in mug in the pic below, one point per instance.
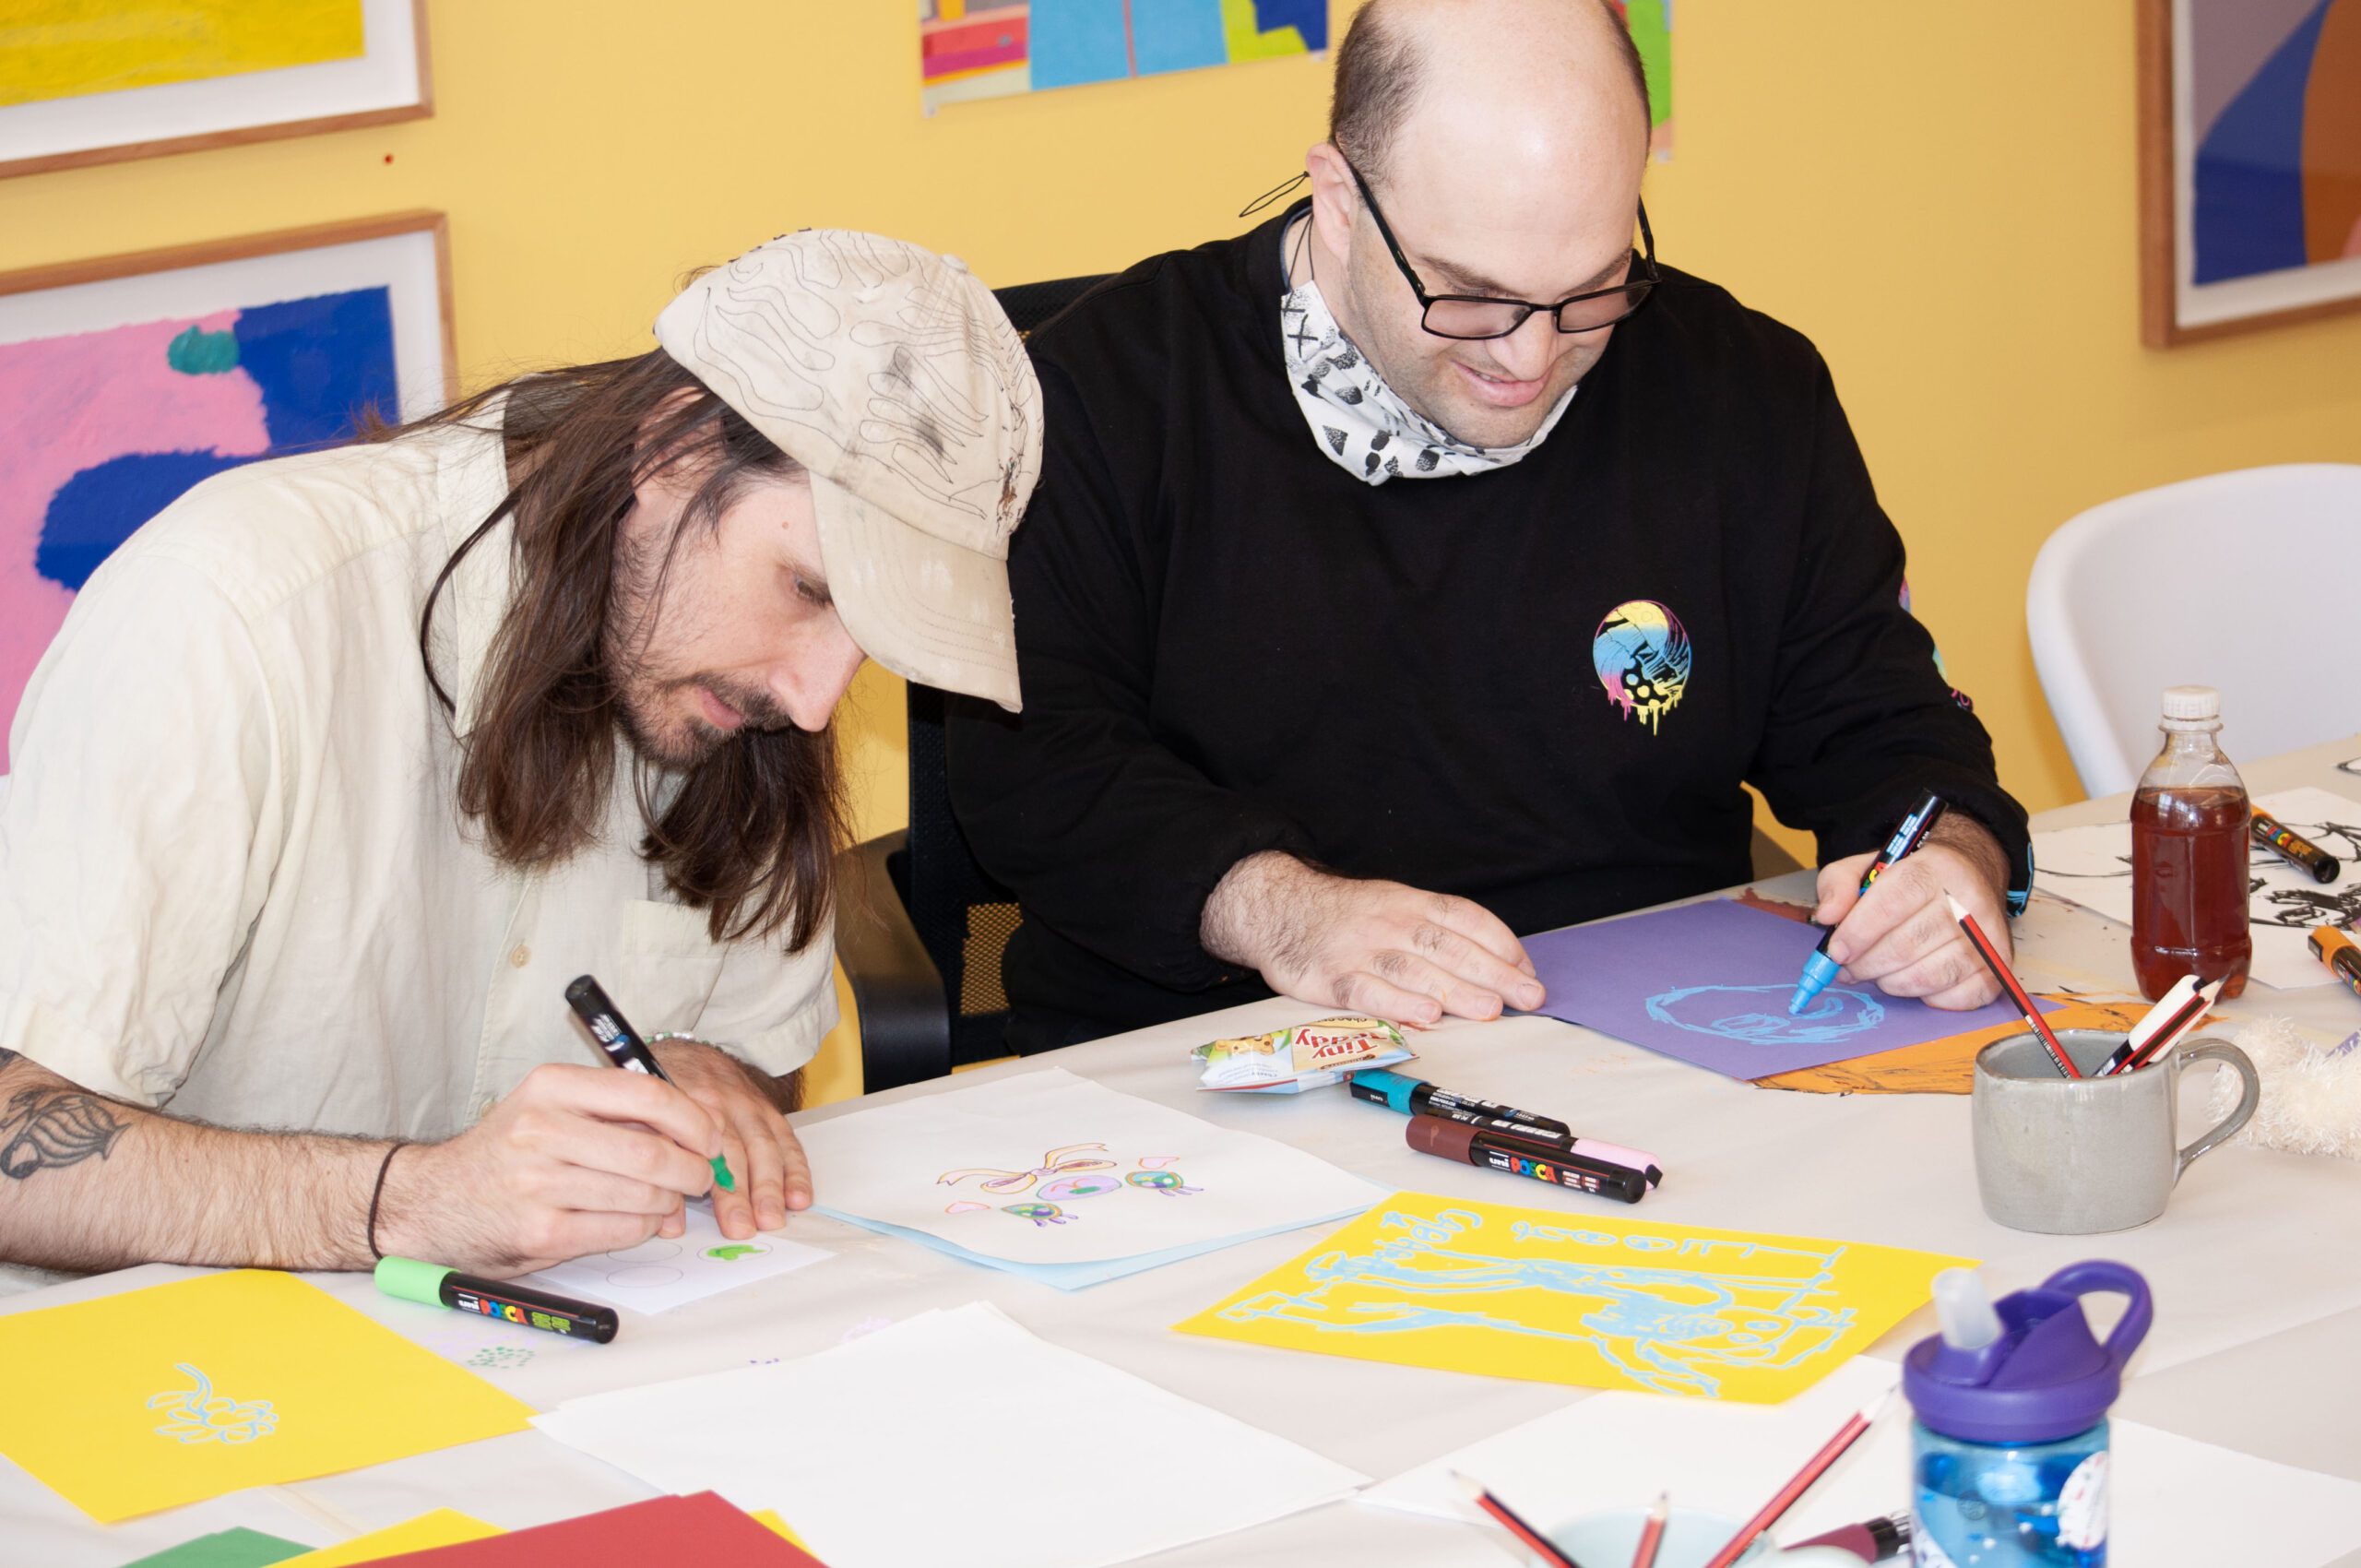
[(2175, 1028), (2011, 987), (1541, 1546), (1802, 1482), (1652, 1533)]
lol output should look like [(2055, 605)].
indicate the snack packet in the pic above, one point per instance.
[(1306, 1056)]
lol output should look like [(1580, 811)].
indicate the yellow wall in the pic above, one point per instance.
[(1941, 195)]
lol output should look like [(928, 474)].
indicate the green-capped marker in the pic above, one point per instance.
[(435, 1286)]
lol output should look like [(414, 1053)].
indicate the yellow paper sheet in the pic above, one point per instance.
[(181, 1391), (1587, 1299), (769, 1519), (445, 1526)]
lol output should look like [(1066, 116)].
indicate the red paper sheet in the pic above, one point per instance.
[(702, 1529)]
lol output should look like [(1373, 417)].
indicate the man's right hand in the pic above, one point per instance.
[(574, 1160), (1375, 947)]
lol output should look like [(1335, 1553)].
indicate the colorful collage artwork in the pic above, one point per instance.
[(972, 48)]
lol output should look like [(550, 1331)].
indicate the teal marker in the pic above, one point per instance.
[(624, 1048), (1820, 969)]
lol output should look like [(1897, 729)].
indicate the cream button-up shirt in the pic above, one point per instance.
[(234, 884)]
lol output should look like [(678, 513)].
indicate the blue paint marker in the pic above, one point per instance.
[(1820, 969)]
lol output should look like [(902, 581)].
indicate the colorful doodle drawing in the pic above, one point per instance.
[(1151, 1177), (199, 1414), (1677, 1314), (1757, 1014), (1057, 1162), (1040, 1214)]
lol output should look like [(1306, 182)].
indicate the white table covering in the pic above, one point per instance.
[(2256, 1269)]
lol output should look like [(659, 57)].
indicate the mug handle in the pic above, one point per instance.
[(2249, 1095)]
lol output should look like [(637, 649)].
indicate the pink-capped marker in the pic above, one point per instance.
[(1415, 1097)]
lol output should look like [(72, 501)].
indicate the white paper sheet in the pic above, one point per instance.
[(955, 1437), (656, 1276), (2092, 867), (1047, 1168), (2176, 1502)]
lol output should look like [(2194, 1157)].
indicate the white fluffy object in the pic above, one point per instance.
[(2311, 1096)]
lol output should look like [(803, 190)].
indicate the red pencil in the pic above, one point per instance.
[(1815, 1468), (1506, 1517), (2011, 988), (1652, 1535)]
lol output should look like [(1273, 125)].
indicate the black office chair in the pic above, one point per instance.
[(919, 927)]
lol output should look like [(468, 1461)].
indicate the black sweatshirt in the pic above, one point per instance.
[(1227, 644)]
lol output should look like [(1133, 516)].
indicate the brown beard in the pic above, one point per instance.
[(751, 833)]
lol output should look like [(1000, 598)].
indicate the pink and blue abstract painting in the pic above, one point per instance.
[(105, 429)]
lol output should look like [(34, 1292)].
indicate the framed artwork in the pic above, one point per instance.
[(93, 81), (970, 49), (2250, 164), (126, 379)]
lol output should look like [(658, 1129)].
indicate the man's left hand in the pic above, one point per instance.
[(773, 1176), (1901, 934)]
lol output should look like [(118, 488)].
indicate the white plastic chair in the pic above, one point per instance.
[(2208, 582)]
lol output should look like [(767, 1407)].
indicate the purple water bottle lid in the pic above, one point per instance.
[(2045, 1377)]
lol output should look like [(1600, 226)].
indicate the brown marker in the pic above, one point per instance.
[(1458, 1141)]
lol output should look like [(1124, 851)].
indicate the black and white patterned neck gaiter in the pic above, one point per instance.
[(1360, 422)]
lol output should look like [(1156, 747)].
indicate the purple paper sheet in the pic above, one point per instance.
[(1709, 984)]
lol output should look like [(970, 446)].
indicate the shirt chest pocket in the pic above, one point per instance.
[(668, 968)]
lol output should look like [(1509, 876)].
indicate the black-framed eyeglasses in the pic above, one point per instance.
[(1473, 317)]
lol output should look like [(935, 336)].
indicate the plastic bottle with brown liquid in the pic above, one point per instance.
[(2189, 855)]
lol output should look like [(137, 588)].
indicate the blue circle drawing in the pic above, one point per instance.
[(1757, 1014)]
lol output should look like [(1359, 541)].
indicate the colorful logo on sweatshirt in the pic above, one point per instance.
[(1642, 657)]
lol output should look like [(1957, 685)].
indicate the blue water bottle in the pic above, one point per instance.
[(2009, 1454)]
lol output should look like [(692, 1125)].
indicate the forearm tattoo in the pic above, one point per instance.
[(50, 1127)]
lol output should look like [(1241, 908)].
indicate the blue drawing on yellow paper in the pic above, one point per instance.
[(1668, 1313), (199, 1414)]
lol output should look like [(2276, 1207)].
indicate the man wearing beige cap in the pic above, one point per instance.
[(346, 764)]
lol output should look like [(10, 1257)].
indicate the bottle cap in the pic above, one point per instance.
[(2192, 703), (2045, 1377)]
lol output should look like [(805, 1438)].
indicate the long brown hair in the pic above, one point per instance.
[(752, 835)]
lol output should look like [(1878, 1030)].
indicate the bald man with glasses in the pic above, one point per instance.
[(1430, 564)]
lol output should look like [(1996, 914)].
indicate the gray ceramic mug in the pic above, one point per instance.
[(2075, 1156)]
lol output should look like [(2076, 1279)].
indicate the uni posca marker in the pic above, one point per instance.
[(438, 1287), (624, 1048), (2299, 852), (1458, 1141), (1413, 1097), (1410, 1095), (2337, 950), (1908, 833), (1608, 1160)]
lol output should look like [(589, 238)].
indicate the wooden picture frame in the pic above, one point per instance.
[(389, 80), (126, 379), (2268, 272)]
